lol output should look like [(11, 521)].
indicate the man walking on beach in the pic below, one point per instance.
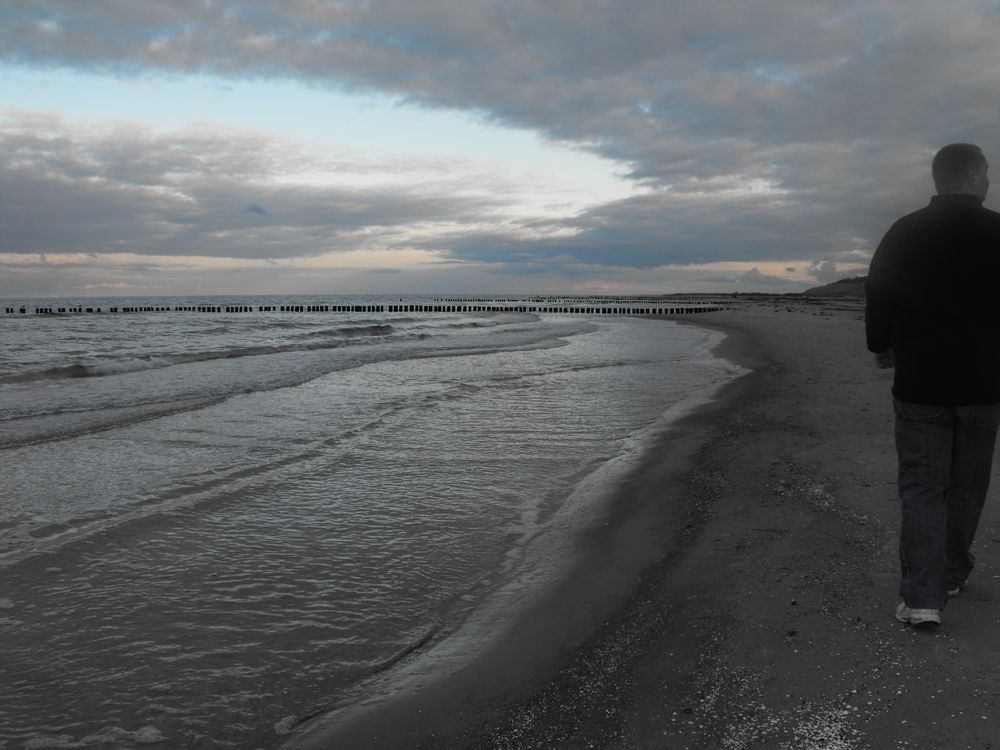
[(931, 312)]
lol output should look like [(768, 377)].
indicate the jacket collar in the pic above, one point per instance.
[(956, 199)]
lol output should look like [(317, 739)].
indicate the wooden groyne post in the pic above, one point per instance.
[(666, 309)]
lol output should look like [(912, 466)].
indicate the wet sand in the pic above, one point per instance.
[(761, 617)]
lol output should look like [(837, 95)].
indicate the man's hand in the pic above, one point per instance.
[(885, 360)]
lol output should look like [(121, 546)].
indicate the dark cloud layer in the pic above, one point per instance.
[(71, 191), (766, 130)]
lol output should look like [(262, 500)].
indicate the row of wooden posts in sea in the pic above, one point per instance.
[(620, 309)]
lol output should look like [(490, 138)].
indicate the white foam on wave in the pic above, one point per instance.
[(115, 737)]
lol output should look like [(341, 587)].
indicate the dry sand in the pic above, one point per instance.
[(765, 620)]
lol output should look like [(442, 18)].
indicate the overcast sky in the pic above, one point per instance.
[(464, 146)]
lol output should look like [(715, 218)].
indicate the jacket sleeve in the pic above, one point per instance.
[(879, 298)]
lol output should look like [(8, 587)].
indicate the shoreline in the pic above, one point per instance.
[(450, 706), (766, 619)]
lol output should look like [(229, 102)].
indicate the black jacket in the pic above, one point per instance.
[(932, 297)]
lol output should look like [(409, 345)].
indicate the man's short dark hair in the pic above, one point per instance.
[(952, 165)]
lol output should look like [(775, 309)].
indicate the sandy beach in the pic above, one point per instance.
[(762, 618)]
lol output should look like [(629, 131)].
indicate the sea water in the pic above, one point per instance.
[(213, 525)]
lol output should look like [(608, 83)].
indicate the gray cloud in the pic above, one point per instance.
[(825, 270), (755, 277), (831, 109), (68, 190)]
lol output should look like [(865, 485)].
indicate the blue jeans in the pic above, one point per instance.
[(945, 459)]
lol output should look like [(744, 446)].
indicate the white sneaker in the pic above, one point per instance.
[(918, 618)]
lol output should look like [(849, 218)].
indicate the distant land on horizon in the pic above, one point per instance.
[(852, 287)]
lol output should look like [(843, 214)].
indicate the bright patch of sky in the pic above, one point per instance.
[(552, 177), (777, 74)]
